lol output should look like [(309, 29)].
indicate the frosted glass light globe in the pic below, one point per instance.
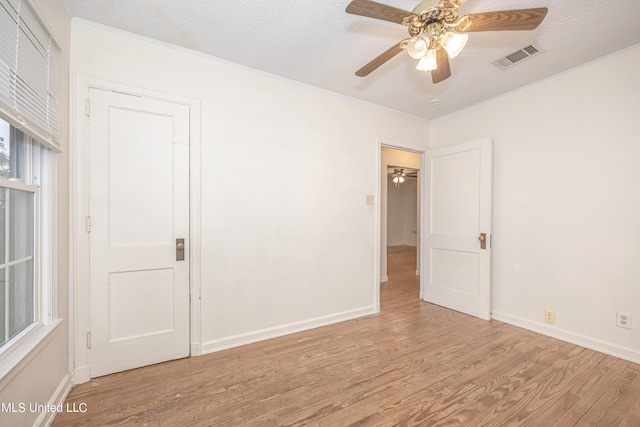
[(453, 43), (417, 47), (428, 61)]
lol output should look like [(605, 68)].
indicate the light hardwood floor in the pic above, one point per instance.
[(413, 364)]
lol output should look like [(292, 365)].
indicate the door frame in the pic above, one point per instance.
[(79, 314), (383, 143)]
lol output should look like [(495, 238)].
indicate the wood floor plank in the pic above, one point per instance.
[(616, 402), (413, 364), (613, 369), (393, 370), (497, 390), (538, 396), (467, 375), (556, 401)]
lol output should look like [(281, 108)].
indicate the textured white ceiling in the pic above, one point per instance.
[(317, 43)]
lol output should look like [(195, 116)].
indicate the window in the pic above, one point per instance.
[(25, 212), (29, 138)]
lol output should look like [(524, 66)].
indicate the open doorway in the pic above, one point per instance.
[(400, 226)]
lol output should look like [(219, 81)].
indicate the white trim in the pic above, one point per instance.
[(22, 353), (79, 318), (422, 223), (278, 331), (564, 335), (81, 374), (383, 143), (49, 241), (16, 262), (13, 345), (78, 239), (195, 209), (19, 185), (57, 400), (377, 230)]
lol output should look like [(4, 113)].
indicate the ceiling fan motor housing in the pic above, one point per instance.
[(425, 6), (433, 21)]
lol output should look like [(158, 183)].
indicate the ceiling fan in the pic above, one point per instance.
[(435, 30)]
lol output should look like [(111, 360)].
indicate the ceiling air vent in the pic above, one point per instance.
[(519, 55)]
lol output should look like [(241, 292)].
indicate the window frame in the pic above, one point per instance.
[(35, 190), (41, 168)]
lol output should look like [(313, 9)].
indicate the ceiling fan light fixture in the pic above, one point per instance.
[(428, 61), (417, 47), (436, 24), (398, 177), (453, 43)]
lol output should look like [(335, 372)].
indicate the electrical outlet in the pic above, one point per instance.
[(623, 320), (549, 316)]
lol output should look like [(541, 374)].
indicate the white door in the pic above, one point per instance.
[(139, 206), (457, 257)]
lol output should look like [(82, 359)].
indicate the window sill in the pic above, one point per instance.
[(18, 357)]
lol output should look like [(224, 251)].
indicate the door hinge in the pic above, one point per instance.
[(88, 224), (87, 107), (88, 339)]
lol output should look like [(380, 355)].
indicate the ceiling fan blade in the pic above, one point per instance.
[(371, 9), (382, 58), (443, 71), (504, 20)]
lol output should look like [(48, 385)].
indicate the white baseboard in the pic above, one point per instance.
[(384, 279), (278, 331), (82, 374), (578, 339), (57, 400), (196, 349)]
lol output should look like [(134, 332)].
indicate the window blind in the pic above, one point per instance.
[(29, 72)]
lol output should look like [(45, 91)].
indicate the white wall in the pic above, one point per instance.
[(566, 200), (288, 241), (43, 375), (402, 212)]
